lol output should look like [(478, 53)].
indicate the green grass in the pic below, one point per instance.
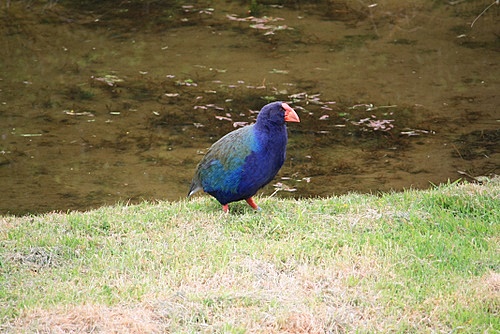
[(415, 261)]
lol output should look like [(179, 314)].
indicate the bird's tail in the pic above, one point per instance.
[(195, 187)]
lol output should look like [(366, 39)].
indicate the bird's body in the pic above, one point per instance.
[(245, 160)]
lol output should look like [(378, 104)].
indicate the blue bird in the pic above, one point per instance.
[(246, 159)]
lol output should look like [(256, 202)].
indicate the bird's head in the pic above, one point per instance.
[(277, 113)]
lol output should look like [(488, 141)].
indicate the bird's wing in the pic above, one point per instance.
[(221, 167)]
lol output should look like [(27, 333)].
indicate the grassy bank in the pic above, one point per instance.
[(417, 261)]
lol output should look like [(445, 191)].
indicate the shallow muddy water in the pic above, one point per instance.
[(101, 103)]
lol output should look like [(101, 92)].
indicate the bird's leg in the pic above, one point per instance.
[(252, 203), (225, 208)]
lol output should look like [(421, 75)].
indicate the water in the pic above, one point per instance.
[(103, 103)]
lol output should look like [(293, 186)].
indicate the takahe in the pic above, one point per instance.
[(246, 159)]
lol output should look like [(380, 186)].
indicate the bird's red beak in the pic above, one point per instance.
[(290, 114)]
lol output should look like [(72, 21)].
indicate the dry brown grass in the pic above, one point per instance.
[(89, 318), (255, 294), (487, 289)]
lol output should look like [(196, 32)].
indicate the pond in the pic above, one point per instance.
[(105, 102)]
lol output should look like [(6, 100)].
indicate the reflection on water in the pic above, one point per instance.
[(102, 104)]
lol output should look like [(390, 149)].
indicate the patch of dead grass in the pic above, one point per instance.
[(89, 318), (301, 322), (257, 295), (487, 289)]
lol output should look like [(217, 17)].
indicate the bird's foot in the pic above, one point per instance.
[(252, 203)]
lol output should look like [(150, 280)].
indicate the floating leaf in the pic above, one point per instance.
[(281, 186), (74, 113), (223, 118), (278, 71), (239, 124), (108, 79), (30, 134)]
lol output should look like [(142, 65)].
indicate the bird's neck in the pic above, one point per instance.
[(271, 135)]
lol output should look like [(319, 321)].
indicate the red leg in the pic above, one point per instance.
[(252, 203), (225, 208)]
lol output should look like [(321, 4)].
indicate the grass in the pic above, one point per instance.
[(415, 261)]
